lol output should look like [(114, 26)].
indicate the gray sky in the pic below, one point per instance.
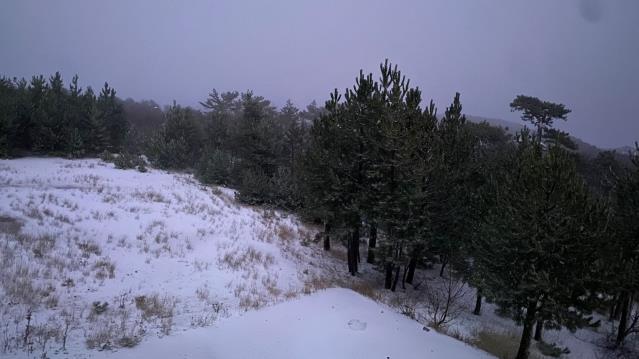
[(583, 53)]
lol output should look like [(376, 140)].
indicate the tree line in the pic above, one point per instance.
[(547, 235), (43, 116)]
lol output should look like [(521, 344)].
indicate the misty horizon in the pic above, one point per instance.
[(580, 53)]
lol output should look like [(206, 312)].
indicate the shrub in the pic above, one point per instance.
[(127, 161), (107, 156), (104, 268), (215, 168), (99, 307), (501, 345), (552, 350)]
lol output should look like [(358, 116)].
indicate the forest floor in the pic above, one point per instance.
[(96, 261)]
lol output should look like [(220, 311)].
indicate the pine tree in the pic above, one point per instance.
[(111, 116), (455, 148), (176, 145), (624, 263), (92, 128), (542, 115), (541, 246), (8, 107)]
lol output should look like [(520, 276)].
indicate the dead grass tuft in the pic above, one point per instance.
[(499, 344), (366, 289), (285, 233), (237, 260), (104, 268), (315, 283), (9, 225), (88, 248)]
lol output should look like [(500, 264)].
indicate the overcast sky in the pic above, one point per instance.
[(583, 53)]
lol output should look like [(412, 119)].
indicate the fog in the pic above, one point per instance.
[(582, 53)]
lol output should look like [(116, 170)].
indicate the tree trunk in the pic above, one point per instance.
[(526, 335), (538, 329), (327, 236), (388, 281), (412, 264), (372, 237), (613, 308), (394, 287), (444, 262), (372, 243), (356, 246), (404, 277), (370, 257), (477, 310), (618, 307), (623, 320), (27, 330), (349, 254)]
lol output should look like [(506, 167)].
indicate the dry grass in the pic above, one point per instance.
[(150, 196), (285, 232), (503, 345), (154, 306), (237, 260), (366, 289), (9, 225), (315, 283), (104, 268), (88, 248)]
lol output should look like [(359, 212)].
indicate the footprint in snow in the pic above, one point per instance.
[(355, 324)]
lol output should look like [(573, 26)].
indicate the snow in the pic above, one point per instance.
[(233, 279), (163, 234), (317, 326)]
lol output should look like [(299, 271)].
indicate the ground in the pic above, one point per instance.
[(332, 323), (184, 269)]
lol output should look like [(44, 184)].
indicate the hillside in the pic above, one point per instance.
[(101, 259)]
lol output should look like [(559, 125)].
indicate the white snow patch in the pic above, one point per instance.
[(315, 326)]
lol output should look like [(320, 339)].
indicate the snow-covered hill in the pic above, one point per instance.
[(127, 264), (333, 323), (169, 256), (164, 252)]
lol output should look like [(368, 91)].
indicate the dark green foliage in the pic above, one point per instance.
[(624, 259), (215, 167), (111, 116), (378, 157), (540, 252), (176, 144), (8, 118), (542, 114), (255, 187), (552, 350), (601, 172), (45, 117), (126, 160), (252, 147)]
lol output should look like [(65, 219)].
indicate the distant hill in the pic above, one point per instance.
[(583, 147)]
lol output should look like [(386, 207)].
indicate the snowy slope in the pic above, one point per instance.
[(165, 252), (186, 270), (334, 323)]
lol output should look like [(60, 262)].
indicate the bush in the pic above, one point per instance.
[(501, 345), (107, 156), (215, 167), (99, 307), (176, 145), (255, 188), (552, 350), (127, 161)]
